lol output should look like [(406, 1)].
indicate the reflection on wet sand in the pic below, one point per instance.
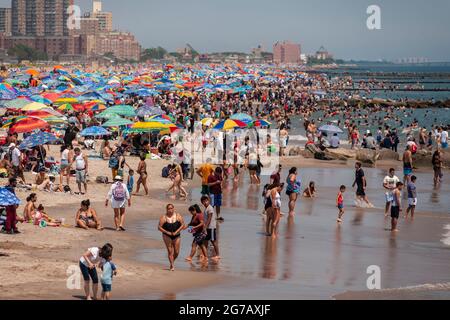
[(289, 250), (312, 237), (269, 257)]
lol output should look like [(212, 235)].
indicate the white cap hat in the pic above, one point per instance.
[(12, 145), (118, 178)]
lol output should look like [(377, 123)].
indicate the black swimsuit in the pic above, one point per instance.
[(172, 227)]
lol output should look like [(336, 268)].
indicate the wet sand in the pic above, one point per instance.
[(313, 258)]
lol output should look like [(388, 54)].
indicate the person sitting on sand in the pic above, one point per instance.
[(310, 192), (40, 216), (87, 218), (42, 180), (30, 209)]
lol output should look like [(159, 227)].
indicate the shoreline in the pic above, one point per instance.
[(42, 256)]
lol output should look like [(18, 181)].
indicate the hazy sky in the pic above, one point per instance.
[(410, 28)]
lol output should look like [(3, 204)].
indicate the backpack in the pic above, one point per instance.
[(113, 162), (165, 172), (119, 192)]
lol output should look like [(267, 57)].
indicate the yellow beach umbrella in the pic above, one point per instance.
[(66, 100), (34, 106)]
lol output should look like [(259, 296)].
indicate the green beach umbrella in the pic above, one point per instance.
[(17, 103), (117, 122), (122, 110)]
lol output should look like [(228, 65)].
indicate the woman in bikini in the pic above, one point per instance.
[(142, 171), (87, 218), (30, 208), (171, 224), (177, 172)]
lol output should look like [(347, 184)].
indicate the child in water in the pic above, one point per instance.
[(340, 203)]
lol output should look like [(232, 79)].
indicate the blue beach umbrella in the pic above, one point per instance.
[(330, 129), (94, 131), (7, 198), (242, 117), (37, 139)]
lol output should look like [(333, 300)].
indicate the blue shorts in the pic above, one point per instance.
[(216, 200), (106, 287), (407, 171), (88, 273), (340, 206), (444, 145)]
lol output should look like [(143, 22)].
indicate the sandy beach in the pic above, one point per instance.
[(40, 258)]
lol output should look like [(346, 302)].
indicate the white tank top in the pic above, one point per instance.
[(65, 155), (79, 162)]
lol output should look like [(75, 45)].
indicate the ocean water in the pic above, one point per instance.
[(430, 76)]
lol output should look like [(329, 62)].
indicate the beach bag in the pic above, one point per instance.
[(165, 172), (119, 192), (101, 179), (113, 162)]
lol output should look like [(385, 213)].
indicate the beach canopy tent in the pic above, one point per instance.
[(37, 139), (329, 128)]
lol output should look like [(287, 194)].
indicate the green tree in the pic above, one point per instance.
[(23, 52), (153, 53)]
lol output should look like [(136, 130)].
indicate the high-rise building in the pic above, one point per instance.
[(286, 52), (105, 19), (96, 6), (38, 18), (5, 21)]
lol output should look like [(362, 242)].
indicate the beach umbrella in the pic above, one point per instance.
[(96, 107), (94, 131), (230, 124), (66, 100), (65, 107), (34, 106), (32, 72), (242, 117), (40, 99), (145, 111), (37, 139), (207, 121), (261, 123), (117, 122), (330, 129), (7, 198), (47, 116), (152, 126), (28, 124), (122, 110), (16, 103), (107, 115), (163, 117)]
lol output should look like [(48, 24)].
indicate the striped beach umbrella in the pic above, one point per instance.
[(28, 124), (230, 124)]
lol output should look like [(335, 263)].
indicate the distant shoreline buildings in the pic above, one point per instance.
[(43, 25)]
